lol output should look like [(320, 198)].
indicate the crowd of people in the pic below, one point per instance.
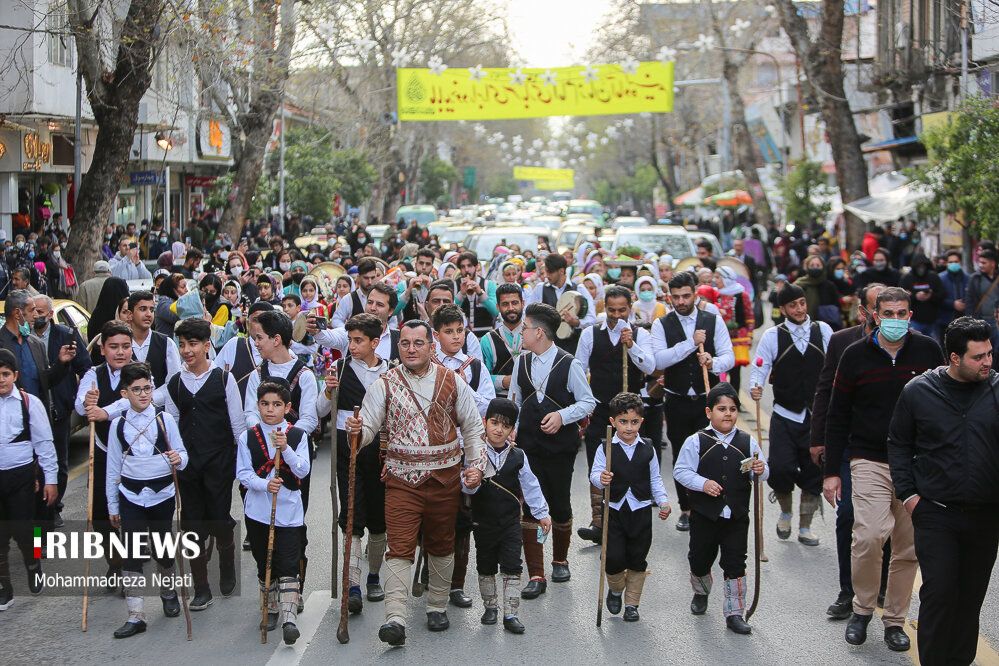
[(478, 381)]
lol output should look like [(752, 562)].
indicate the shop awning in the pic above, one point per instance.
[(890, 205), (890, 144)]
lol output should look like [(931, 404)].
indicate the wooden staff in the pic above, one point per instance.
[(603, 542), (90, 515), (624, 368), (704, 370), (334, 397), (354, 440), (758, 531), (270, 551), (180, 558), (759, 442)]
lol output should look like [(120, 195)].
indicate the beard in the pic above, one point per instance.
[(513, 317)]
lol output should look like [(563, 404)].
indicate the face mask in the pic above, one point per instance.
[(285, 265), (163, 239), (894, 329), (297, 277), (613, 273), (223, 256), (63, 245), (19, 244), (814, 272), (860, 269), (838, 273), (954, 267), (56, 254), (259, 266), (361, 239), (921, 271), (236, 271), (879, 265), (41, 323), (107, 236), (24, 328), (31, 255), (647, 296)]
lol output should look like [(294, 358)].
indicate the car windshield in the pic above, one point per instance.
[(422, 216), (453, 235), (568, 238), (593, 209), (676, 245), (484, 244)]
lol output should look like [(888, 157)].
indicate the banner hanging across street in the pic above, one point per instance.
[(474, 93), (542, 173), (556, 184)]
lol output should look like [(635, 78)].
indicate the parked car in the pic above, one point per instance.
[(424, 214), (674, 241), (483, 241), (453, 236), (628, 221), (716, 247)]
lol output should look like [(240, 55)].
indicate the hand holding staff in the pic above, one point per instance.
[(174, 459), (757, 392), (757, 529), (704, 369), (90, 516), (334, 394), (273, 486), (354, 439), (603, 542)]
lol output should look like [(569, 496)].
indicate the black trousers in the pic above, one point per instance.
[(629, 538), (287, 549), (790, 461), (554, 472), (369, 489), (206, 494), (17, 507), (596, 432), (708, 536), (684, 417), (652, 426), (497, 547), (135, 519), (60, 438), (956, 550)]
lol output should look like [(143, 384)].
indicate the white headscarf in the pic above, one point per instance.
[(309, 305), (732, 286), (646, 309), (598, 282)]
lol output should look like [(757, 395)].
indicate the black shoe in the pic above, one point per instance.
[(354, 602), (896, 639), (130, 629), (594, 534), (202, 600), (272, 619), (513, 625), (699, 604), (856, 629), (437, 621), (534, 589), (683, 524), (246, 543), (738, 625), (489, 616), (57, 520), (35, 580), (842, 608), (392, 633), (227, 580), (613, 603), (171, 605), (114, 580), (460, 599), (631, 614), (290, 632), (375, 591), (560, 573), (6, 596)]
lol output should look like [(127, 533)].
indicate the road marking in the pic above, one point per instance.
[(315, 610), (77, 471)]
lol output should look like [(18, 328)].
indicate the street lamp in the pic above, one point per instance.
[(163, 141)]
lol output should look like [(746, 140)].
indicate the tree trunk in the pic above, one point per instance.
[(666, 179), (114, 98), (742, 142)]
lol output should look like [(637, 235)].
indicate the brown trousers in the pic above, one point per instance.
[(433, 505)]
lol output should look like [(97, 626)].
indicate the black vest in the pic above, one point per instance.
[(502, 358), (475, 366), (605, 367), (549, 296), (204, 416), (25, 434), (557, 396), (632, 473), (498, 500), (356, 307), (721, 465), (159, 447), (393, 358), (263, 463), (795, 375), (107, 396), (681, 377), (156, 357), (293, 380), (351, 391), (243, 365), (480, 320)]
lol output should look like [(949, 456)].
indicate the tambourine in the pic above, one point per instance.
[(575, 304)]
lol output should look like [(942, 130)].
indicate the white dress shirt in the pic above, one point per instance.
[(343, 312), (257, 503), (767, 350), (226, 358), (17, 454), (484, 392), (536, 295), (234, 405), (114, 410), (173, 363), (529, 486), (659, 495), (307, 418), (365, 374), (640, 353), (142, 462), (338, 338), (666, 356), (541, 367), (685, 469)]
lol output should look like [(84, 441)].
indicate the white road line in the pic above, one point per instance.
[(308, 622)]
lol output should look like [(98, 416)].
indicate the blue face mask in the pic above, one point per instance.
[(838, 273), (31, 255), (894, 329), (24, 329), (647, 296), (954, 267), (613, 273)]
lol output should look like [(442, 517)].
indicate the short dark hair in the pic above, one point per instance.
[(276, 322), (194, 253), (961, 331), (139, 296), (554, 262), (260, 306), (722, 390), (706, 245), (8, 360), (617, 291), (449, 313), (509, 289), (367, 324), (384, 288), (419, 323), (954, 253), (466, 256), (544, 317), (295, 298), (441, 284), (892, 295), (193, 329), (426, 252), (211, 280), (278, 388), (625, 402), (365, 266), (680, 280), (987, 254), (503, 410), (115, 327), (865, 290), (134, 371)]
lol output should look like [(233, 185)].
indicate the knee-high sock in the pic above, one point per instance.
[(735, 596), (487, 588), (596, 506), (701, 584), (441, 569), (288, 595), (561, 533), (810, 503), (166, 579), (462, 544), (199, 569), (376, 552), (131, 581), (534, 552), (271, 594), (511, 595), (355, 560), (397, 579), (616, 582), (786, 502), (635, 581)]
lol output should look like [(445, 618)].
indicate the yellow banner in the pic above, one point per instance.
[(474, 93), (542, 173), (560, 184)]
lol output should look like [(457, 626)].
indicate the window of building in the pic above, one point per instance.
[(60, 42), (62, 150)]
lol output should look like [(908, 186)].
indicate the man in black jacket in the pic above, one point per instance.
[(869, 379), (944, 456), (927, 293)]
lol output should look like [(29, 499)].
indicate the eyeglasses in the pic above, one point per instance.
[(141, 390), (416, 344)]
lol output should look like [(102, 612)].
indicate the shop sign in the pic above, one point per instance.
[(200, 181), (145, 178), (214, 140), (36, 152)]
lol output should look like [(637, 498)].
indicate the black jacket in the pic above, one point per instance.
[(928, 311), (64, 392), (49, 374), (838, 343), (943, 443)]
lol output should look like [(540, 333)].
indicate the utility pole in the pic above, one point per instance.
[(78, 137), (964, 51), (281, 171)]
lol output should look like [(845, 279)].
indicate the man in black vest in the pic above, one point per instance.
[(413, 295), (550, 388), (476, 295), (367, 275), (439, 293), (501, 346), (240, 356), (792, 355), (150, 347), (600, 353), (549, 292), (381, 303), (675, 342)]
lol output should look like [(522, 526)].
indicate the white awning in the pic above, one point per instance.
[(890, 205)]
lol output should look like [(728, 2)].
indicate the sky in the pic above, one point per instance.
[(554, 33)]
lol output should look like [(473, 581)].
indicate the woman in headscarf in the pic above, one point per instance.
[(820, 294), (595, 285), (647, 306), (344, 285), (210, 288), (737, 313), (113, 292), (172, 288), (595, 264), (447, 270), (299, 269)]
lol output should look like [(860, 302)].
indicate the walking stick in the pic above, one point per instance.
[(759, 442), (603, 542), (270, 552), (90, 516), (758, 533), (334, 397), (624, 368), (180, 558), (704, 369), (354, 440)]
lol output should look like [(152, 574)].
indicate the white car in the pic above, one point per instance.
[(483, 241), (660, 239)]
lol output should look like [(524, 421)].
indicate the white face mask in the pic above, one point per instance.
[(223, 255), (285, 266), (56, 254), (236, 271)]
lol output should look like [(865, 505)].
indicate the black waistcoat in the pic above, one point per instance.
[(498, 500), (606, 367), (204, 416), (632, 473), (557, 396), (795, 375), (681, 377), (721, 465)]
